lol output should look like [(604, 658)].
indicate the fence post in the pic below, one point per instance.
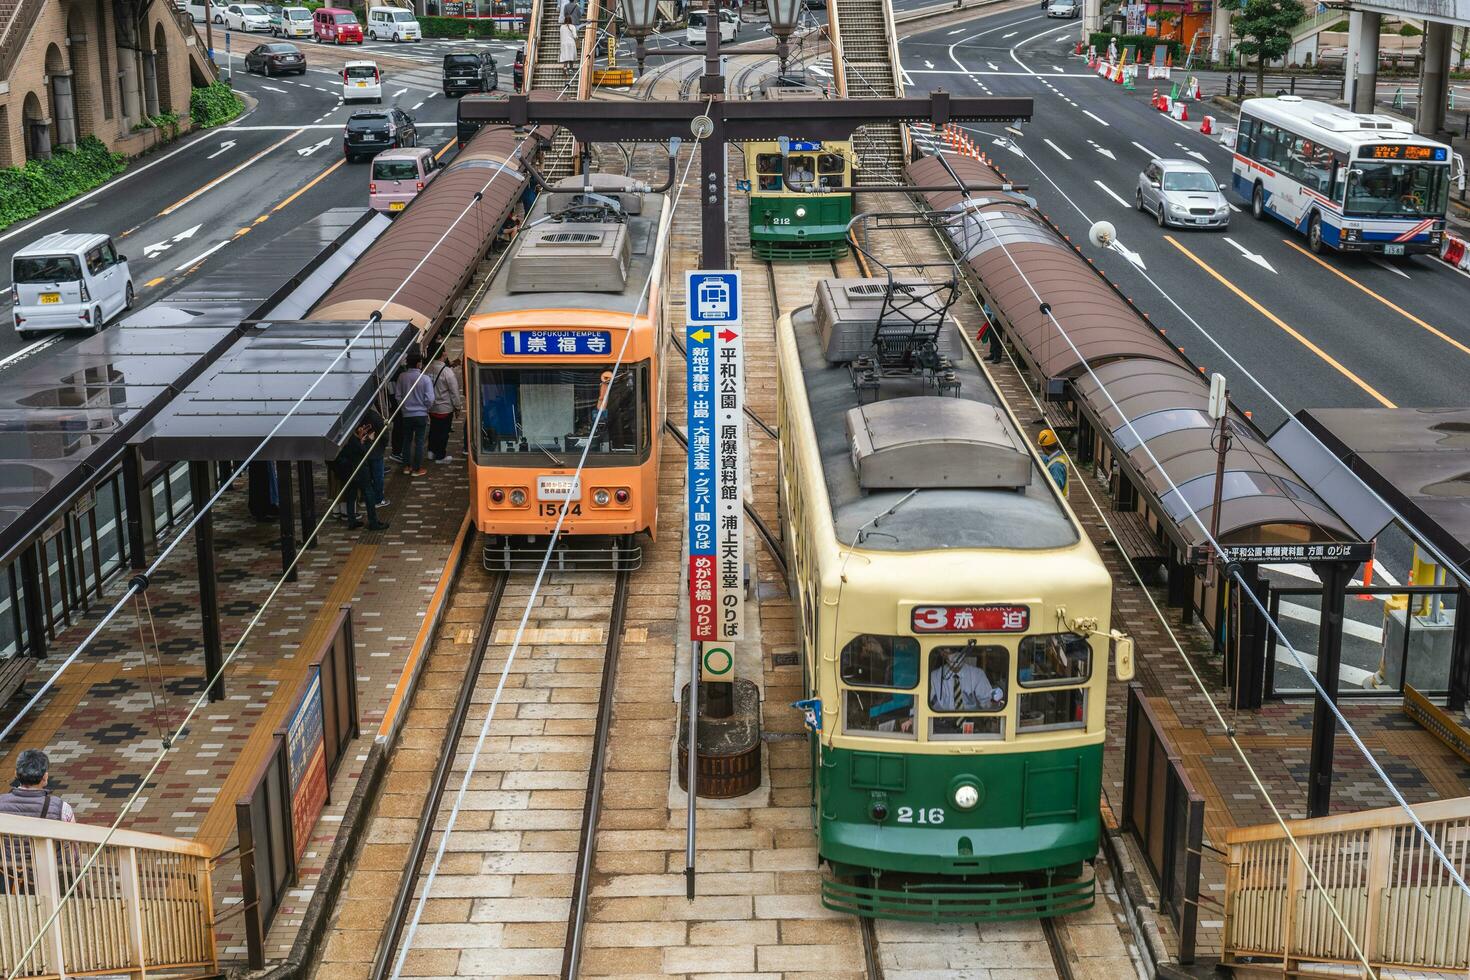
[(132, 896), (1232, 895), (48, 890), (1296, 874), (1380, 866)]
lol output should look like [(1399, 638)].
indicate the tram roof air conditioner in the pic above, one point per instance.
[(557, 257), (848, 310), (623, 189), (931, 442)]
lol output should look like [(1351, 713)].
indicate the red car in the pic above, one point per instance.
[(336, 25)]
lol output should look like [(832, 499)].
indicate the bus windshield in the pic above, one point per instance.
[(1391, 188), (549, 410)]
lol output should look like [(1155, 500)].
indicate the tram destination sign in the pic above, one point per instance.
[(715, 405), (1271, 554), (970, 619), (539, 343)]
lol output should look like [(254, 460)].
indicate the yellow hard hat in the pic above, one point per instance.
[(1046, 439)]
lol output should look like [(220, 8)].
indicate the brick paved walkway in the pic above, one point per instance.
[(101, 723)]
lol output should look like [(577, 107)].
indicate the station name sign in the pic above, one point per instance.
[(970, 619), (1271, 554)]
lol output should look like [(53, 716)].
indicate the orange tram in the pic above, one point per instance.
[(564, 328)]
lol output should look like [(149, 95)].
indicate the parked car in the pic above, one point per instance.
[(69, 282), (276, 59), (370, 131), (398, 176), (244, 17), (1182, 192), (393, 24), (469, 71), (361, 81), (1068, 9), (695, 29), (336, 25), (518, 70), (292, 22)]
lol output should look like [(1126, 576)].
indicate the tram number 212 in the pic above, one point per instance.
[(555, 509), (932, 815)]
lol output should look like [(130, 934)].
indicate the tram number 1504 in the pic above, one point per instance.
[(932, 815), (555, 509)]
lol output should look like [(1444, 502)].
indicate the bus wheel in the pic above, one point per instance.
[(1314, 234), (1258, 204)]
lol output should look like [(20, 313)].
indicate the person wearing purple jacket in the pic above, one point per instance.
[(415, 391)]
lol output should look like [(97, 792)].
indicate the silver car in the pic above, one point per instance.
[(1183, 193), (1069, 9)]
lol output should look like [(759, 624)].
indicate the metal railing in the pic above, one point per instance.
[(143, 907), (13, 35), (1400, 904)]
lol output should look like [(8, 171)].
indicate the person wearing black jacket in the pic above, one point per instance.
[(353, 469)]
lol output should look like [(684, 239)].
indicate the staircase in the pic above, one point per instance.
[(865, 62), (544, 73), (16, 20)]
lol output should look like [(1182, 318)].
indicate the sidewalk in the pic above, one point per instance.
[(101, 723)]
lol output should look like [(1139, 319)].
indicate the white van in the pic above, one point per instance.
[(361, 80), (694, 31), (295, 22), (69, 282), (392, 24)]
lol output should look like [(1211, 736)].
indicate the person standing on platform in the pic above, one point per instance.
[(415, 391), (376, 467), (991, 335), (447, 401), (28, 796), (352, 467), (568, 53), (1054, 459)]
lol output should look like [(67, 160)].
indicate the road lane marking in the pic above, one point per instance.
[(153, 282), (443, 149), (1011, 34), (1151, 153), (30, 348), (203, 255), (303, 127), (1109, 192), (1337, 365), (1385, 301), (1391, 268), (308, 186), (228, 174), (1097, 117), (416, 107), (1061, 152)]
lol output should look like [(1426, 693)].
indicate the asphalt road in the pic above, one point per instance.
[(190, 206), (1250, 302)]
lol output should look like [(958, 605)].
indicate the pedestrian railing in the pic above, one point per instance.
[(1396, 897), (143, 907)]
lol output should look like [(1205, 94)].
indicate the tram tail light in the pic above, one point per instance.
[(497, 496), (621, 495)]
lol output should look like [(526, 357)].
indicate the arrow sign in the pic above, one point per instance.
[(1129, 254), (1105, 152), (157, 248), (309, 150), (1008, 145), (700, 335), (727, 335), (1194, 153), (1252, 256), (223, 147)]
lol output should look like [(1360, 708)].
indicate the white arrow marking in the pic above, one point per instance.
[(1105, 152), (1058, 69), (1109, 192), (1151, 153), (272, 88), (402, 91), (1252, 256), (202, 256), (1128, 253), (1394, 269), (1011, 34), (953, 33), (223, 147), (1194, 153), (1008, 145), (928, 64), (149, 251), (307, 151), (1055, 147), (993, 66), (1096, 117)]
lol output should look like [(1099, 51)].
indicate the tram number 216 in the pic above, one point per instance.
[(931, 815), (557, 507)]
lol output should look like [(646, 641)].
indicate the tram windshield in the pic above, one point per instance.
[(967, 691), (550, 411)]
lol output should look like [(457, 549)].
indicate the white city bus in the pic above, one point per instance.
[(1359, 183)]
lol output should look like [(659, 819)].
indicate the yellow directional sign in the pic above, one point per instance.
[(700, 335)]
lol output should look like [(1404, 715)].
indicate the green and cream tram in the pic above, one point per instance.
[(955, 634)]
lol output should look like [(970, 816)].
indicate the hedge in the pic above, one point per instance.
[(453, 27), (214, 104), (41, 184), (1143, 42)]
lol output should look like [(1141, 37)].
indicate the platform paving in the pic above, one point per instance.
[(102, 722)]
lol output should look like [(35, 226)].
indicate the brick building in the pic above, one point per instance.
[(75, 68)]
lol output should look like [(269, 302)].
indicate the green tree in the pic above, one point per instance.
[(1264, 28)]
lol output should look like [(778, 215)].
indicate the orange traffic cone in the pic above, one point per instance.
[(1207, 128)]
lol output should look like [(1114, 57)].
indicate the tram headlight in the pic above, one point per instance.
[(879, 811), (801, 212), (601, 497), (966, 796), (517, 497)]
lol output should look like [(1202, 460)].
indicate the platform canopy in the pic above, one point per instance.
[(238, 402)]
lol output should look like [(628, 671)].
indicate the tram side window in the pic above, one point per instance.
[(890, 662), (967, 691), (829, 170), (768, 170), (1052, 660)]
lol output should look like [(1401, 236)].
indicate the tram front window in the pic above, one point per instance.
[(890, 662), (550, 411), (1053, 660), (967, 691), (768, 171), (829, 170), (799, 172)]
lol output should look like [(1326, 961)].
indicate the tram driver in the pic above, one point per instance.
[(957, 683)]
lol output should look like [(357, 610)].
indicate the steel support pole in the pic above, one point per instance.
[(287, 517), (132, 485), (200, 488), (1459, 652), (1335, 577), (1249, 680), (30, 580), (692, 781), (306, 490)]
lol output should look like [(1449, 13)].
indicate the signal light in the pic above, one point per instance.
[(497, 495), (621, 495)]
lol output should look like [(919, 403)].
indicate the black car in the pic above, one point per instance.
[(518, 71), (469, 72), (370, 131), (276, 59)]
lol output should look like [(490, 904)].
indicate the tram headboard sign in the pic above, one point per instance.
[(716, 474), (970, 619), (540, 343)]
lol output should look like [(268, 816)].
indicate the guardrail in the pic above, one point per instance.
[(144, 906), (1396, 898)]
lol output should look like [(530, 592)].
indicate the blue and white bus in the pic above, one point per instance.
[(1359, 183)]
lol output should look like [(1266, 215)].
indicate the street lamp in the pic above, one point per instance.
[(639, 19), (783, 14)]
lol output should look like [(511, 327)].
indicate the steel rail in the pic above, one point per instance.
[(1058, 949), (403, 897), (597, 768), (872, 959)]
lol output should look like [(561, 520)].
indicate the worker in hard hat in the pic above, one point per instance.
[(1054, 459)]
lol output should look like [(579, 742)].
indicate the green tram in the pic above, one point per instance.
[(954, 623)]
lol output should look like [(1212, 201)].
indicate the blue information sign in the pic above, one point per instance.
[(714, 297), (700, 401), (804, 146), (537, 343)]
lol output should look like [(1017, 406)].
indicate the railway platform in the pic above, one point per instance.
[(102, 722)]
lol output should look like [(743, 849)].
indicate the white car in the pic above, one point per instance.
[(295, 22), (361, 80), (245, 17), (729, 25), (69, 282), (393, 24)]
